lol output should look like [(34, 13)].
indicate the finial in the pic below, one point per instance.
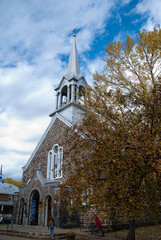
[(74, 30)]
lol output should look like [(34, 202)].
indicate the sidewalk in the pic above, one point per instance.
[(44, 232)]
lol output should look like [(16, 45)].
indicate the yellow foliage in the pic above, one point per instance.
[(114, 156), (12, 181)]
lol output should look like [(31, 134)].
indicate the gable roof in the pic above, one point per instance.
[(44, 181), (7, 188), (57, 115)]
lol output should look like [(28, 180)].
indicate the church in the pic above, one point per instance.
[(43, 173)]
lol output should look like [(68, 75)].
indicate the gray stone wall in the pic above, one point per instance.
[(54, 136), (25, 193)]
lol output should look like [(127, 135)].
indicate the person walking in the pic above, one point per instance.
[(52, 224)]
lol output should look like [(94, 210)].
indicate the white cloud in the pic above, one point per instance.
[(152, 10), (15, 134), (20, 86), (98, 65), (119, 37), (16, 141)]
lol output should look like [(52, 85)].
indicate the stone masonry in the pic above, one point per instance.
[(54, 136)]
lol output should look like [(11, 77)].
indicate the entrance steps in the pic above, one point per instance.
[(32, 235)]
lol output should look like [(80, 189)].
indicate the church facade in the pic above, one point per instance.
[(43, 173)]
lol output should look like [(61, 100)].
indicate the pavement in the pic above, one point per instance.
[(18, 232), (6, 237)]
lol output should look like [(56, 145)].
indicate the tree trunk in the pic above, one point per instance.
[(131, 234)]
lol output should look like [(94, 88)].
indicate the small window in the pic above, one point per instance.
[(9, 198)]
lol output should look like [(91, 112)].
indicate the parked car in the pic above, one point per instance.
[(6, 220)]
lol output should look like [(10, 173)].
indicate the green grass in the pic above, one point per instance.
[(142, 233)]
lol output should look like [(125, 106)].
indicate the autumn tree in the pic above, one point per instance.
[(12, 181), (115, 151)]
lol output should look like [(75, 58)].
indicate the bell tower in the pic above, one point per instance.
[(71, 89)]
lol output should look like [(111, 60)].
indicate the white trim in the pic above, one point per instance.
[(76, 104), (49, 162), (70, 78), (57, 115)]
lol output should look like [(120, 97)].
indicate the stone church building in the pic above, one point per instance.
[(43, 174)]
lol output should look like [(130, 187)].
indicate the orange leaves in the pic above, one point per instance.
[(44, 204)]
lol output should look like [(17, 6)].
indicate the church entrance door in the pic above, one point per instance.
[(34, 208)]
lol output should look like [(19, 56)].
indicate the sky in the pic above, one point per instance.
[(35, 43)]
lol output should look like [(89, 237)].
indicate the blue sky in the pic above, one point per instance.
[(35, 42)]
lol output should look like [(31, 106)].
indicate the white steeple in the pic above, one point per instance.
[(73, 65), (70, 91)]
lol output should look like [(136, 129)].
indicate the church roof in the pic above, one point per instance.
[(44, 181)]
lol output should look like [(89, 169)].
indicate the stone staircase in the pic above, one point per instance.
[(32, 235)]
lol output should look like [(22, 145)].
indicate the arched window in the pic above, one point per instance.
[(55, 161), (81, 91), (81, 94), (75, 92), (64, 95)]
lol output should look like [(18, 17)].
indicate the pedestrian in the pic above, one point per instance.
[(97, 222), (52, 224)]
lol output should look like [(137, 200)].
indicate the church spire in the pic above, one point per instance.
[(73, 65), (70, 91)]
